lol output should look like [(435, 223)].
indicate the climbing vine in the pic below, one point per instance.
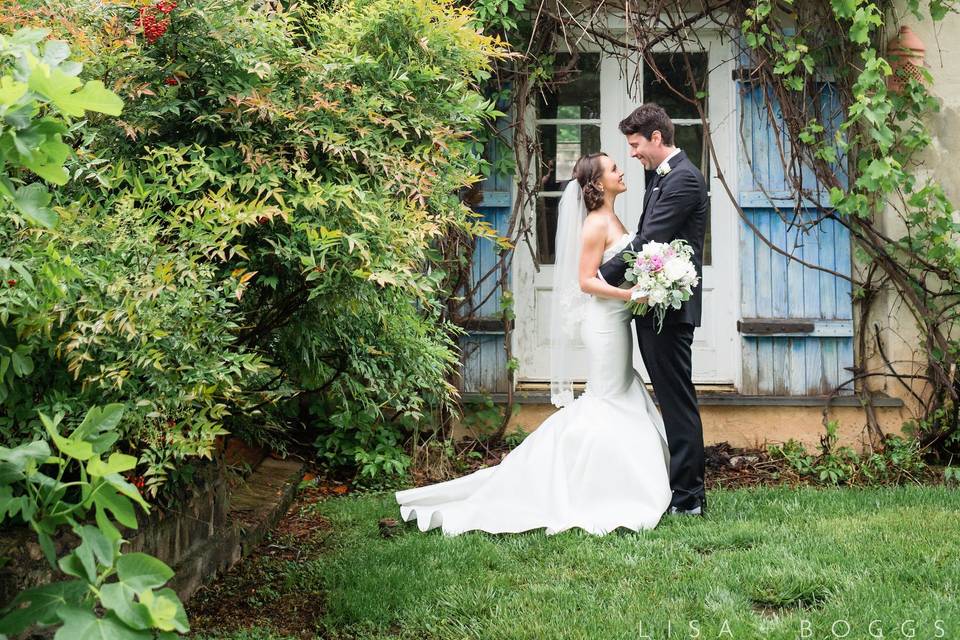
[(865, 153)]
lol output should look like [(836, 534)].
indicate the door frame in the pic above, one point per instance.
[(528, 336)]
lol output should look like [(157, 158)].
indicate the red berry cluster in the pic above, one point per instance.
[(11, 283), (171, 81), (138, 481), (153, 28)]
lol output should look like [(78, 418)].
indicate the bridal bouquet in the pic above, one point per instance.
[(666, 277)]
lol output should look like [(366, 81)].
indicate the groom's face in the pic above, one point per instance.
[(649, 151)]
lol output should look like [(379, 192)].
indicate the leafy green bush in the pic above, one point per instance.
[(900, 459), (100, 310), (255, 242), (34, 489), (39, 93)]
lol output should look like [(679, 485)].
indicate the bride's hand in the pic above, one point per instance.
[(641, 300)]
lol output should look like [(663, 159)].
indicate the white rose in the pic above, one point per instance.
[(657, 296), (675, 270), (653, 248)]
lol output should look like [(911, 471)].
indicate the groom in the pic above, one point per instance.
[(675, 207)]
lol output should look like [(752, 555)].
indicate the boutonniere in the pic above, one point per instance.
[(663, 170)]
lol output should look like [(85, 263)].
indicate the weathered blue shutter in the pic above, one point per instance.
[(796, 322), (484, 358)]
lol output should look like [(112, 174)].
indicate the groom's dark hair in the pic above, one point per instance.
[(646, 119)]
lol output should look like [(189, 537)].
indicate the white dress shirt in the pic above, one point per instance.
[(666, 161)]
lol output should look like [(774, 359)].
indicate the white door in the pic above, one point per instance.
[(581, 117)]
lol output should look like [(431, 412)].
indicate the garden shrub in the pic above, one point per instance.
[(251, 245)]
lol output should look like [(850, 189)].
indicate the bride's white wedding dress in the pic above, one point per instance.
[(599, 463)]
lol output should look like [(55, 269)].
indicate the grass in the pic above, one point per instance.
[(766, 563)]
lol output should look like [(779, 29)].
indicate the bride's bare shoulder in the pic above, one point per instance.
[(595, 221)]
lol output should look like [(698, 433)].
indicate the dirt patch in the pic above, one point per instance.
[(261, 591), (729, 467)]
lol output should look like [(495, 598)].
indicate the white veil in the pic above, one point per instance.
[(567, 303)]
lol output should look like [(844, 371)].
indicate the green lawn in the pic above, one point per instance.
[(765, 563)]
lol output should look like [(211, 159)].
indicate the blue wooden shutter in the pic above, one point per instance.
[(796, 322), (484, 359)]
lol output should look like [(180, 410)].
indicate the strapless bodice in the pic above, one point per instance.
[(617, 246)]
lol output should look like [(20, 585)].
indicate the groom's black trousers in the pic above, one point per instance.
[(667, 357)]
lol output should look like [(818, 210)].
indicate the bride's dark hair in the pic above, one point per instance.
[(587, 172)]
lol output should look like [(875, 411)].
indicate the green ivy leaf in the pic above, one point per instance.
[(939, 9), (140, 571), (121, 599), (166, 610), (32, 202), (844, 8), (43, 604), (80, 624), (117, 463), (61, 90), (864, 20)]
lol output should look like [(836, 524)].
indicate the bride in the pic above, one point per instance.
[(602, 461)]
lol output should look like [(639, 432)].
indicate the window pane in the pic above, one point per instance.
[(577, 95), (547, 228), (690, 139), (560, 147), (673, 67)]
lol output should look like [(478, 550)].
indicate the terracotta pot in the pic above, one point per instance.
[(906, 53)]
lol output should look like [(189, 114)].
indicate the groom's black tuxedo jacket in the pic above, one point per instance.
[(675, 207)]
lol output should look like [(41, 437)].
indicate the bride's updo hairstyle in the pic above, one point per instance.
[(587, 172)]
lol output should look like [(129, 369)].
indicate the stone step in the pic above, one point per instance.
[(255, 508)]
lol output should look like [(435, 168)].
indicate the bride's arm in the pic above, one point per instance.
[(591, 253)]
